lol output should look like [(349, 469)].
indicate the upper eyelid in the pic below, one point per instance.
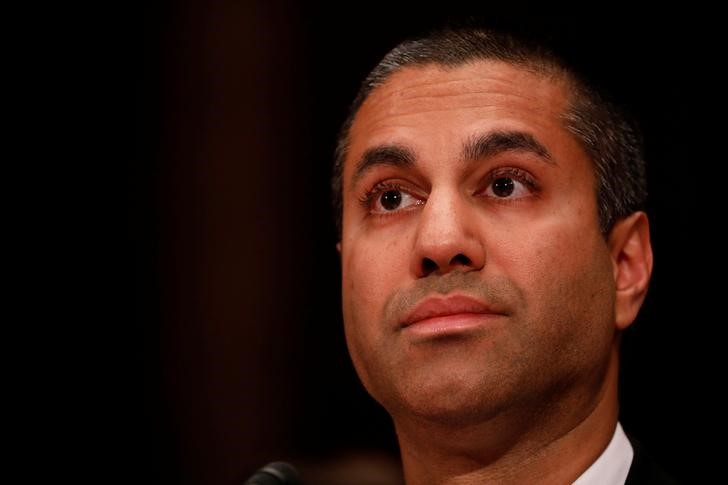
[(395, 184), (507, 169), (370, 198), (518, 173), (515, 172)]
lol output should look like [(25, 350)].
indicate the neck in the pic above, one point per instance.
[(553, 445)]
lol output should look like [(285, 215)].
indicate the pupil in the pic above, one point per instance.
[(391, 199), (503, 187)]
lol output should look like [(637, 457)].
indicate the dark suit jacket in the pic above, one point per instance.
[(644, 470)]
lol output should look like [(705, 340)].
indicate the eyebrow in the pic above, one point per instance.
[(476, 148), (389, 155), (491, 144)]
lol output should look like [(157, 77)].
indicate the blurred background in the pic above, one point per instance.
[(229, 350)]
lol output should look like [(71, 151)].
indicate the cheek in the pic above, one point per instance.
[(566, 282), (557, 265), (564, 331), (371, 270), (370, 266)]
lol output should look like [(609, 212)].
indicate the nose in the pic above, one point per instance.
[(447, 237)]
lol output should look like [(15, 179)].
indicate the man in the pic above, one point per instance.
[(493, 250)]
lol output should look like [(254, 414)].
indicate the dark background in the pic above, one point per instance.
[(229, 350)]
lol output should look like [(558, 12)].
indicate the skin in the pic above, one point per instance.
[(528, 393)]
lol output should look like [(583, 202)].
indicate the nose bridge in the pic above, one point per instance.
[(441, 216), (447, 234)]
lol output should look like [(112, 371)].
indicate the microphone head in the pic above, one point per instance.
[(275, 473)]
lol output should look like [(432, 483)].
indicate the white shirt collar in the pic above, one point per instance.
[(612, 466)]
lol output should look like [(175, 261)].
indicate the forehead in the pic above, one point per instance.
[(444, 87), (437, 104)]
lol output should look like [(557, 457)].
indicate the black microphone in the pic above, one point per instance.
[(276, 473)]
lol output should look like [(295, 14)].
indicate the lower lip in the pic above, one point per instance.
[(450, 324)]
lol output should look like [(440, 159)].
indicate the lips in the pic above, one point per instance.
[(456, 307)]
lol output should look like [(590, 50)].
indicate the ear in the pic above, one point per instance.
[(338, 247), (631, 253)]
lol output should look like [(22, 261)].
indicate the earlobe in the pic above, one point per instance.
[(631, 253), (338, 247)]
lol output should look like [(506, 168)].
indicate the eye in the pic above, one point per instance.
[(510, 184), (389, 198), (393, 199)]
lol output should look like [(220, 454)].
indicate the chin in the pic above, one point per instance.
[(453, 401)]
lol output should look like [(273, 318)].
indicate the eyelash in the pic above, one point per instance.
[(510, 172), (377, 190)]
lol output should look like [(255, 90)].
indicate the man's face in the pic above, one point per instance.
[(475, 276)]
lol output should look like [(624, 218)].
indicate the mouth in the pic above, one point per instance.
[(452, 315)]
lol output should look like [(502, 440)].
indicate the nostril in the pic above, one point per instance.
[(428, 266), (461, 260)]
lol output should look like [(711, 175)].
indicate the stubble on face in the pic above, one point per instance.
[(519, 359), (420, 365)]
